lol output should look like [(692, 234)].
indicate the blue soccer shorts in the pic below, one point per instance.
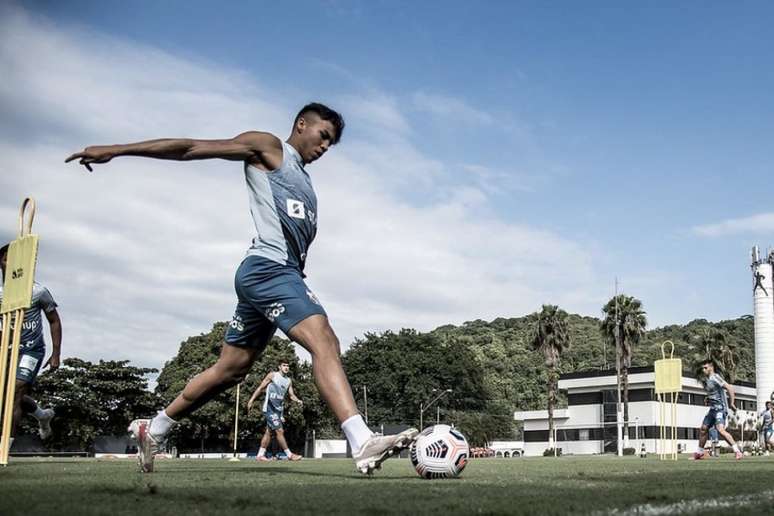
[(715, 416), (270, 296), (273, 419), (30, 362)]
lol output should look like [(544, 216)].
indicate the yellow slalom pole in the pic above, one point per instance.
[(674, 425), (662, 428), (17, 297), (236, 427), (11, 387), (6, 342)]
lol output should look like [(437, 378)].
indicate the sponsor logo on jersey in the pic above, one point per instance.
[(296, 209)]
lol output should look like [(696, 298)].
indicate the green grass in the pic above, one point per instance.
[(576, 485)]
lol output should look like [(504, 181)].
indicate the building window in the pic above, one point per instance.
[(583, 434)]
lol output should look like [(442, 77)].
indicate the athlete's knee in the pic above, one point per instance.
[(233, 365), (317, 336)]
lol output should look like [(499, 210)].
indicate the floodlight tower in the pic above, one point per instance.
[(763, 303)]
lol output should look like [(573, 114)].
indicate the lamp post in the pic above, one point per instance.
[(365, 402), (426, 405), (636, 432)]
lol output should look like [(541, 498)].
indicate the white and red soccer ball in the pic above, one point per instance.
[(439, 451)]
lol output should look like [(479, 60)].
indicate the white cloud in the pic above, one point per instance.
[(762, 223), (450, 107), (141, 253)]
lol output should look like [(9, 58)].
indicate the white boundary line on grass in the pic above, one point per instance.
[(694, 506)]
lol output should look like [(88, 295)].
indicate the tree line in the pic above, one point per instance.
[(492, 368)]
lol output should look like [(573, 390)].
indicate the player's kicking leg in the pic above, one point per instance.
[(368, 449), (230, 369), (43, 416), (730, 440)]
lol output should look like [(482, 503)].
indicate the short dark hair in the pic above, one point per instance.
[(711, 362), (325, 113)]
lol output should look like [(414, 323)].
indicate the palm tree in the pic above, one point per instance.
[(551, 337), (624, 325)]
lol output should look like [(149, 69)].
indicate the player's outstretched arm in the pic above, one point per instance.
[(55, 326), (265, 383), (731, 396), (252, 146), (293, 395)]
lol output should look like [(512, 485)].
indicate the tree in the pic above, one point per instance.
[(93, 399), (550, 338), (401, 369), (719, 348), (624, 325)]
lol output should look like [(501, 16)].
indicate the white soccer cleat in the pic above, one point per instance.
[(379, 448), (147, 447), (44, 423)]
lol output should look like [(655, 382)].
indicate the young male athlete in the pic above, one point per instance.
[(277, 384), (271, 292), (32, 351), (767, 426), (717, 415)]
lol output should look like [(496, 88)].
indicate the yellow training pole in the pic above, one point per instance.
[(17, 297), (10, 388), (5, 343), (236, 427)]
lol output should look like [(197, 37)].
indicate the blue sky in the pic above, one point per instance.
[(552, 147)]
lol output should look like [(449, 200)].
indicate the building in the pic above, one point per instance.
[(588, 424)]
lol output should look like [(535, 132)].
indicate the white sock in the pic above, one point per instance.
[(161, 425), (700, 450), (262, 452), (357, 432), (735, 447), (288, 453), (39, 413)]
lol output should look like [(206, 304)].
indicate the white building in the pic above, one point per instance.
[(588, 424)]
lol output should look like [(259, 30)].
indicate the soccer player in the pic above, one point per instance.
[(717, 415), (767, 424), (32, 351), (276, 384), (269, 284)]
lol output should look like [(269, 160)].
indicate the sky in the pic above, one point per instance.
[(498, 156)]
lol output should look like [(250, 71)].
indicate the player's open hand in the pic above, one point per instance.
[(95, 154), (52, 363)]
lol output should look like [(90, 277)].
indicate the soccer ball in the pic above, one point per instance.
[(439, 451)]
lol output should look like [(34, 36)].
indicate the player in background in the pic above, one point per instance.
[(269, 283), (767, 426), (717, 415), (277, 384), (32, 351)]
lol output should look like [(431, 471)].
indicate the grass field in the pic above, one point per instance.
[(575, 485)]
